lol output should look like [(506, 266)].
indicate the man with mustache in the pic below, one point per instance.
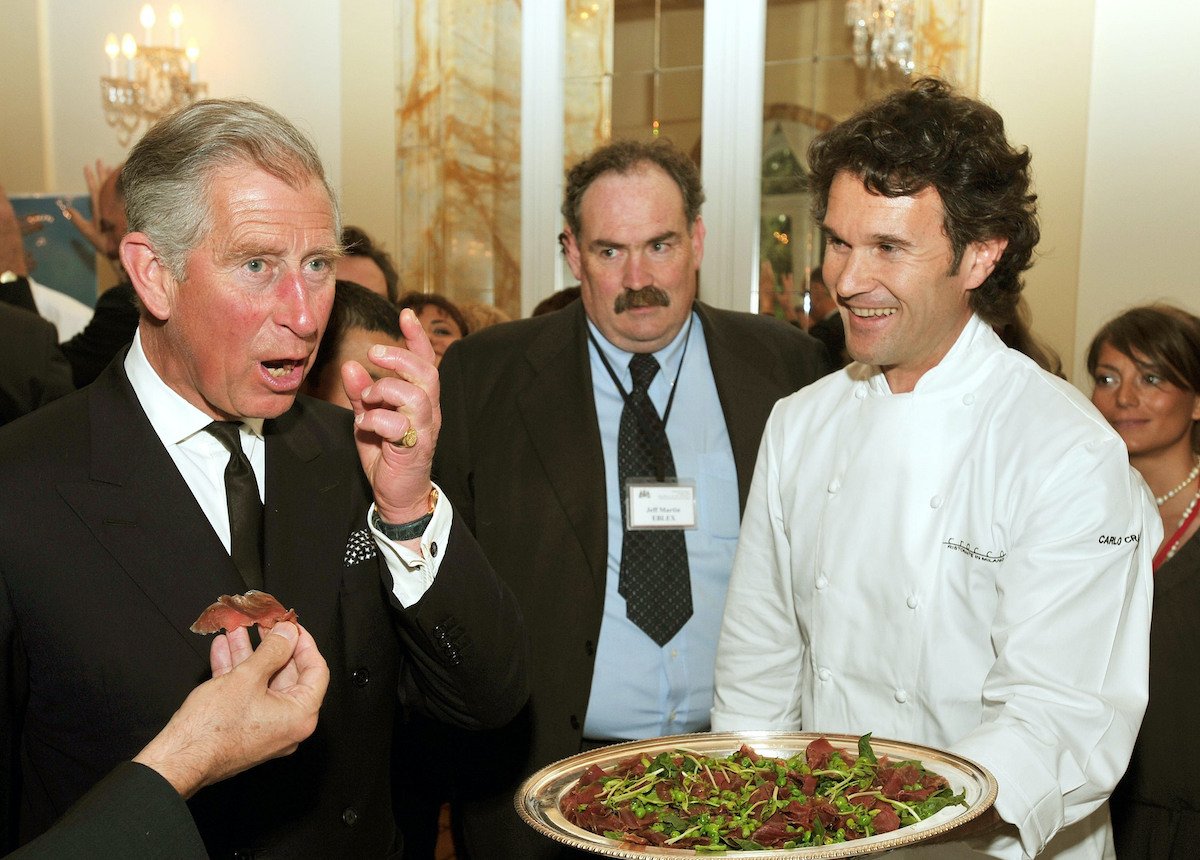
[(530, 454)]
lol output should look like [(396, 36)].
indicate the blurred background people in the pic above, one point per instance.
[(1146, 367), (33, 371), (825, 322), (360, 318), (555, 301), (441, 318), (480, 315), (367, 264)]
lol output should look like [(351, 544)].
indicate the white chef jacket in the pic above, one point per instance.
[(965, 566)]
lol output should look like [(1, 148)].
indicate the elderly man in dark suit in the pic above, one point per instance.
[(571, 439), (192, 468)]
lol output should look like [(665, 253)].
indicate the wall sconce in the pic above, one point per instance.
[(151, 80), (883, 33)]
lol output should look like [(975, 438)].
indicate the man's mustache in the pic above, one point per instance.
[(646, 297)]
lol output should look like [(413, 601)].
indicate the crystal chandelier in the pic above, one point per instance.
[(883, 33), (152, 81)]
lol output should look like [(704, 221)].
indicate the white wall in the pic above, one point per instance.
[(283, 53), (1035, 68), (1141, 209)]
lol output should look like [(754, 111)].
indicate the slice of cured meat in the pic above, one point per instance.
[(242, 610)]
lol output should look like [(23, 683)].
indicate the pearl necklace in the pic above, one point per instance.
[(1192, 475), (1178, 542)]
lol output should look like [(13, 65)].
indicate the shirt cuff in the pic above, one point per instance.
[(413, 572)]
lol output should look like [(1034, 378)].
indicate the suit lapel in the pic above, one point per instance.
[(747, 391), (307, 498), (559, 414), (141, 510)]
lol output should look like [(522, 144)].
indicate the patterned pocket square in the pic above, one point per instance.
[(360, 547)]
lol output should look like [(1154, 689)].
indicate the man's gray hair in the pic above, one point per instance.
[(167, 178)]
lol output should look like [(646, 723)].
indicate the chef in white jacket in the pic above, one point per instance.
[(944, 543)]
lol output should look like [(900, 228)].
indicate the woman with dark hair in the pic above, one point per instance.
[(440, 317), (1146, 367)]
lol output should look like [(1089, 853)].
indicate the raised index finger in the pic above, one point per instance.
[(415, 338)]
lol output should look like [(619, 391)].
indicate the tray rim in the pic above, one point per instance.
[(583, 840)]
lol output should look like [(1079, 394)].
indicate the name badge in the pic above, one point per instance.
[(651, 504)]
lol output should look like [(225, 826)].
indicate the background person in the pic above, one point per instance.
[(1146, 367), (443, 321), (366, 263), (964, 559), (359, 320), (536, 429)]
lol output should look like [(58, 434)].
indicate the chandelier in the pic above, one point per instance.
[(882, 33), (152, 80)]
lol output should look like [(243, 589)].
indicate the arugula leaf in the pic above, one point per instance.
[(865, 753)]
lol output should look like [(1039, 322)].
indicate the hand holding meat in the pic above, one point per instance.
[(260, 704), (397, 419)]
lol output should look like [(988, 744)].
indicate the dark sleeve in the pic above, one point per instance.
[(18, 294), (111, 328), (131, 813), (465, 647), (33, 371)]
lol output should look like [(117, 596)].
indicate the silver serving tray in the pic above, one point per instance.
[(537, 800)]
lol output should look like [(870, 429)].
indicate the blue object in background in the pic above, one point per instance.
[(62, 258)]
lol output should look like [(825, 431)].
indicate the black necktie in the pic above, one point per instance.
[(654, 565), (245, 507)]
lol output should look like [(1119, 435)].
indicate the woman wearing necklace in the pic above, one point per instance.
[(1146, 367)]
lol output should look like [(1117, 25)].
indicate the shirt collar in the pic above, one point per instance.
[(173, 418), (668, 357), (974, 345)]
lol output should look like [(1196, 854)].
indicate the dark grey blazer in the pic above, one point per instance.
[(520, 457), (107, 558)]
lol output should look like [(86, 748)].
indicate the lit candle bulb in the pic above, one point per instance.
[(147, 19), (112, 47), (129, 49), (175, 18), (193, 54)]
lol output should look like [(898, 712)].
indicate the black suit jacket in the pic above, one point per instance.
[(133, 813), (520, 456), (32, 369), (107, 558)]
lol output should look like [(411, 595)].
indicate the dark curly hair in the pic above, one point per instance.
[(624, 157), (930, 136)]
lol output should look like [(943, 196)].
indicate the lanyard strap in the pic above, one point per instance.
[(625, 394)]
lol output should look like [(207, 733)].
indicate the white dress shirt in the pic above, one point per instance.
[(201, 460), (965, 566)]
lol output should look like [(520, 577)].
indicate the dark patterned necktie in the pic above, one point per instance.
[(245, 506), (654, 565)]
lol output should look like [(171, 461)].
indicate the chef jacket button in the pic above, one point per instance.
[(901, 696), (835, 485), (589, 648), (912, 601), (935, 502), (822, 581), (968, 399), (433, 549), (574, 722), (243, 855), (361, 676), (860, 392), (350, 816), (824, 674)]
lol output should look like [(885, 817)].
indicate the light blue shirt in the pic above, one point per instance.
[(639, 689)]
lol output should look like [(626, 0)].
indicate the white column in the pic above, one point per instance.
[(734, 38), (543, 43)]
